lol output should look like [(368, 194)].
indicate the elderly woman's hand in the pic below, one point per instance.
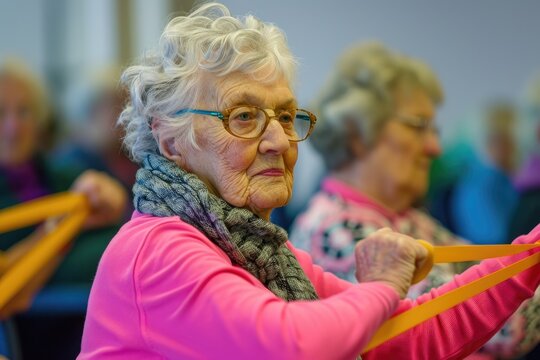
[(107, 197), (389, 257)]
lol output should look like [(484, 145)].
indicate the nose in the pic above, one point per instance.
[(9, 124), (432, 144), (274, 140)]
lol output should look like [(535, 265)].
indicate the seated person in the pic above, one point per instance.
[(377, 135), (94, 139), (527, 179), (26, 173), (484, 197)]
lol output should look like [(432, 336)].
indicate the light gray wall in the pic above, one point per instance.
[(22, 31)]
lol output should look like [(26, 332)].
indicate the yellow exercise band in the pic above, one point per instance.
[(34, 211), (439, 254), (75, 208)]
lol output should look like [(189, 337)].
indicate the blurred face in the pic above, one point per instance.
[(500, 137), (18, 124), (256, 174), (102, 132), (400, 160), (501, 149)]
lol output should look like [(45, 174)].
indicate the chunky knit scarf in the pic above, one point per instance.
[(163, 189)]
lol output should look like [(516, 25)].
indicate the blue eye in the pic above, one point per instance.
[(244, 116), (286, 117)]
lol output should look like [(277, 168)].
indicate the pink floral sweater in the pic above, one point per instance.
[(339, 216)]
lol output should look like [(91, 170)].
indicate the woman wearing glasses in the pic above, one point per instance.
[(199, 271), (377, 136)]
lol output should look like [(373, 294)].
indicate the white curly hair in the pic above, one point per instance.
[(207, 41)]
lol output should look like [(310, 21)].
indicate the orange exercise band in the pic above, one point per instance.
[(75, 209), (439, 254)]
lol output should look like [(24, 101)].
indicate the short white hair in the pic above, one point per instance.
[(359, 97), (207, 41)]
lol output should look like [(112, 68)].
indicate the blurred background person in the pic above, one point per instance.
[(484, 197), (377, 135), (527, 180), (26, 173), (94, 139)]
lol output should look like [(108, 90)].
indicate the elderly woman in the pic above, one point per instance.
[(25, 174), (377, 135), (199, 271)]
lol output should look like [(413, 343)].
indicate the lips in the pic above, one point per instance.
[(271, 172)]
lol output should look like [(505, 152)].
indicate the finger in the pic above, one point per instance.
[(384, 230), (89, 184), (421, 251)]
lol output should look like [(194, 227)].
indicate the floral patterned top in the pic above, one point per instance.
[(339, 216)]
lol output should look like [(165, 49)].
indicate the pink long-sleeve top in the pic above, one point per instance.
[(165, 291)]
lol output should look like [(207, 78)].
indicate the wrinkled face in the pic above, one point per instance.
[(402, 156), (19, 127), (257, 173)]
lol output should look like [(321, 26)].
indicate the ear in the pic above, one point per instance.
[(356, 142), (168, 147), (357, 147)]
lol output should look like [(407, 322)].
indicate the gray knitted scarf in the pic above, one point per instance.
[(163, 189)]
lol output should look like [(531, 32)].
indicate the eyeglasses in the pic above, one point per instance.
[(420, 124), (250, 122)]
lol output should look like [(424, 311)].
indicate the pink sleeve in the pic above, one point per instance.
[(163, 290), (193, 301), (464, 328)]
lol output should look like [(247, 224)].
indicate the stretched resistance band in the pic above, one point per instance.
[(444, 254), (73, 207)]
